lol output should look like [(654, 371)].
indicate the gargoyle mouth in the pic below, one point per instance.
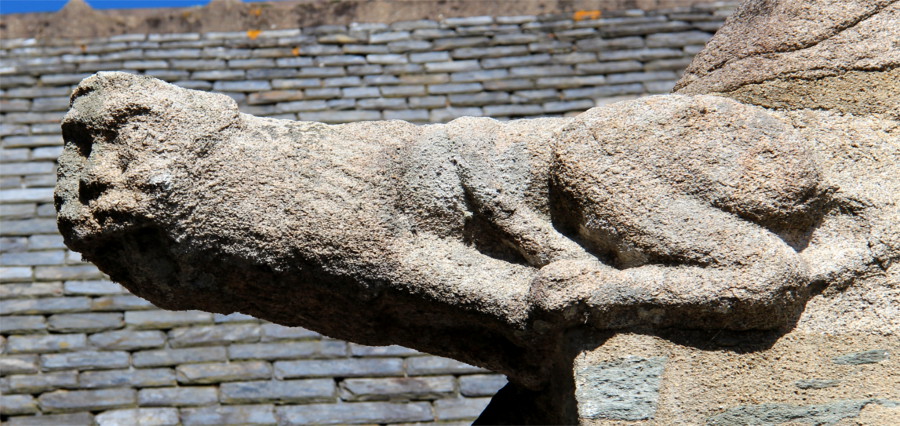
[(108, 215)]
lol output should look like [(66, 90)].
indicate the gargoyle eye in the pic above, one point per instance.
[(77, 134)]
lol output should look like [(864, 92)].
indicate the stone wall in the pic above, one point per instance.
[(78, 349)]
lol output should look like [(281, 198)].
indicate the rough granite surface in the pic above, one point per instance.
[(835, 55), (726, 207), (65, 326), (519, 230)]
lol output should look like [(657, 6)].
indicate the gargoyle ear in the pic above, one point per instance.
[(94, 120), (210, 111), (101, 103), (108, 99)]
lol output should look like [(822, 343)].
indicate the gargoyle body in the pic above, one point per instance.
[(443, 237), (767, 178)]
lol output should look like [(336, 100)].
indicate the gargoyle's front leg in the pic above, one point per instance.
[(502, 200), (467, 298), (530, 233)]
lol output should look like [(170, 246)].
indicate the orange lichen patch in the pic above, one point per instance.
[(584, 15), (296, 51), (253, 34), (186, 14), (83, 48), (256, 11)]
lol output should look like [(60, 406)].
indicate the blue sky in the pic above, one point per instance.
[(20, 6)]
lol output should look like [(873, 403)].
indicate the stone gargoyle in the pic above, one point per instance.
[(478, 239)]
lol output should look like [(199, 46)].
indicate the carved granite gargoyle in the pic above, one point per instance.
[(510, 227), (479, 240)]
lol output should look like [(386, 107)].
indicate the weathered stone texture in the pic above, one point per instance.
[(214, 335), (287, 350), (432, 365), (359, 412), (166, 319), (87, 400), (229, 414), (510, 85), (23, 324), (73, 419), (34, 383), (353, 367), (816, 383), (139, 416), (18, 404), (284, 391), (167, 357), (845, 57), (459, 409), (397, 388), (47, 343), (867, 357), (128, 340), (69, 323), (728, 216), (138, 378), (784, 413), (619, 390), (216, 372), (178, 397), (13, 364), (93, 288)]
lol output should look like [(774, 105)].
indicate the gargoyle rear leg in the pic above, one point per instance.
[(673, 257)]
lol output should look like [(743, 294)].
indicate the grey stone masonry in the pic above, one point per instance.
[(398, 388), (288, 350), (77, 348), (87, 400), (147, 377), (85, 322), (85, 360), (13, 364), (223, 372), (45, 343), (229, 414), (23, 324), (430, 365), (167, 357), (34, 383), (481, 384), (181, 396), (360, 412), (139, 416), (281, 391), (166, 319), (128, 339), (459, 408), (18, 404), (354, 367)]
